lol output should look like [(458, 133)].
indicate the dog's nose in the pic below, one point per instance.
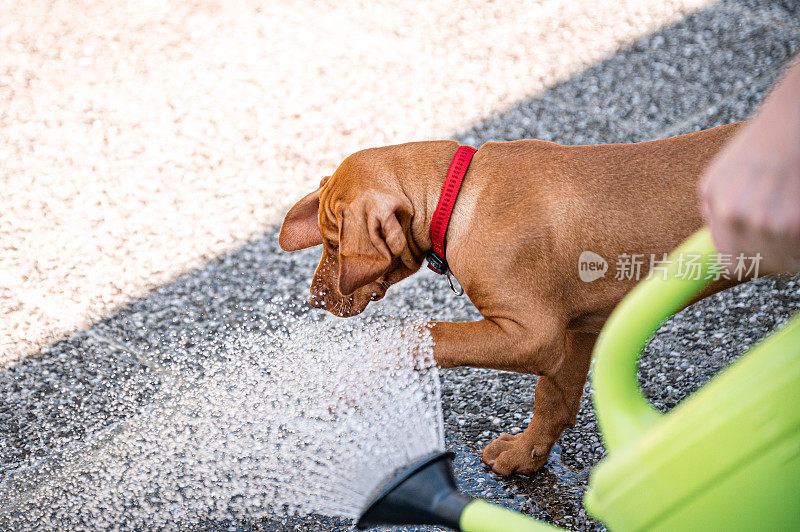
[(316, 301)]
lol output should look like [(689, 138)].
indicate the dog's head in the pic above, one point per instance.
[(363, 221)]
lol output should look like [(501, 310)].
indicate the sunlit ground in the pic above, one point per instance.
[(139, 139)]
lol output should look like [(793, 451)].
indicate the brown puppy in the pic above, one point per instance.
[(526, 211)]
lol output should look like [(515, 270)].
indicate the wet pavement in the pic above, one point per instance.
[(709, 68)]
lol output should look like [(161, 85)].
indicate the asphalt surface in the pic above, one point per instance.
[(709, 68)]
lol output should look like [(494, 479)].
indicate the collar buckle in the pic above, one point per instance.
[(437, 263)]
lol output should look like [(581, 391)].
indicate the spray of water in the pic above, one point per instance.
[(297, 418)]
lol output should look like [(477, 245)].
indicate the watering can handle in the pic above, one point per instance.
[(623, 413)]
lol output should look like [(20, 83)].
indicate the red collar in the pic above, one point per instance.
[(447, 200)]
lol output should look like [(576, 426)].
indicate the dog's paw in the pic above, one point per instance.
[(513, 454)]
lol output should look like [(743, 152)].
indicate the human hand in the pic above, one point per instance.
[(751, 191)]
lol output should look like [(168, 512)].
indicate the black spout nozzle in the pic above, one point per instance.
[(422, 493)]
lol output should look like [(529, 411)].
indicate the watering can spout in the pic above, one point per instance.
[(424, 492)]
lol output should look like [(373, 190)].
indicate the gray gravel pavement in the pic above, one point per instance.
[(710, 68)]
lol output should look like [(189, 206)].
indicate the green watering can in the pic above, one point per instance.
[(727, 458)]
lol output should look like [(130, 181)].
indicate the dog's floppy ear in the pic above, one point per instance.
[(300, 228), (369, 239)]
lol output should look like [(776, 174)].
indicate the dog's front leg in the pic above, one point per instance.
[(560, 357), (557, 399), (500, 343)]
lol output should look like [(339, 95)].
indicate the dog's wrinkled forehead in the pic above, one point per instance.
[(329, 209), (338, 193)]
